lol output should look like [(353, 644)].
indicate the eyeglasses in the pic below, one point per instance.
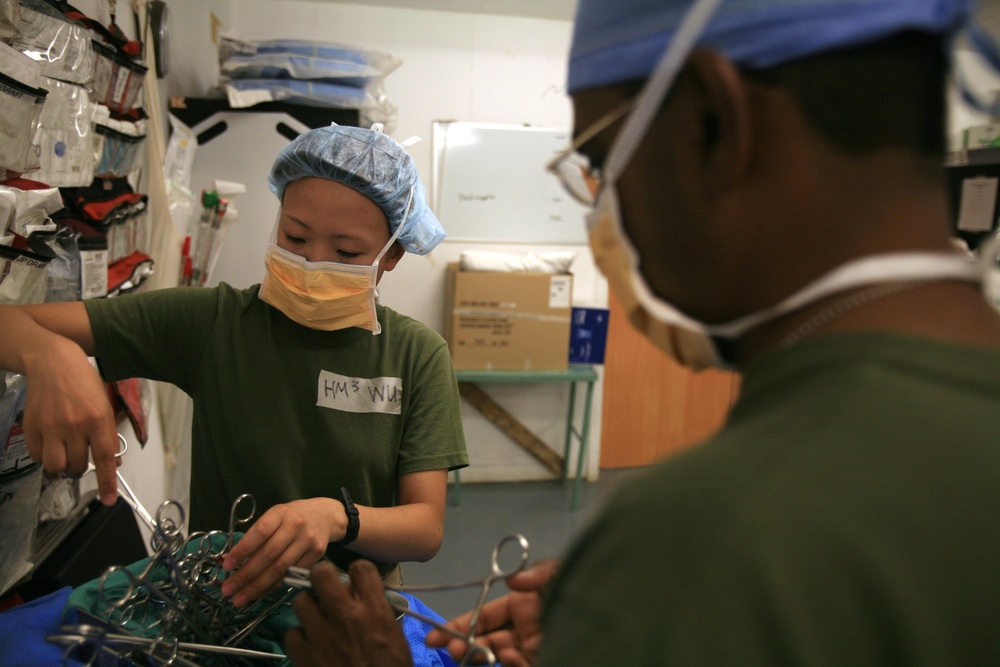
[(572, 167)]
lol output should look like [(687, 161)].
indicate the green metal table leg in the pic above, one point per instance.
[(569, 429), (584, 435)]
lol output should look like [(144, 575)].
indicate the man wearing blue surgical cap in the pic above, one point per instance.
[(767, 192), (338, 415)]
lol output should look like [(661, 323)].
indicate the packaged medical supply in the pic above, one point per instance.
[(65, 139), (118, 147), (331, 60), (247, 92), (21, 101), (180, 154), (63, 47), (127, 84), (10, 19), (344, 70), (23, 274), (63, 279), (104, 67), (18, 66), (308, 73), (93, 267), (22, 209)]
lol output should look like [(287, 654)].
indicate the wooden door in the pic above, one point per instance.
[(653, 406)]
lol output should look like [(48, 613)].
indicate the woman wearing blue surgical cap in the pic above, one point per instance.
[(767, 194), (338, 415)]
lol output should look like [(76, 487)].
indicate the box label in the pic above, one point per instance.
[(560, 291), (588, 335)]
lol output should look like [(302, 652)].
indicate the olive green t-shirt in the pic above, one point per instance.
[(847, 514), (284, 412)]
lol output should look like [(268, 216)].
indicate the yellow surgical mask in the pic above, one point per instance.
[(691, 348), (325, 296)]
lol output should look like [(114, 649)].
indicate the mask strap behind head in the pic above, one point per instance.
[(648, 104), (399, 228)]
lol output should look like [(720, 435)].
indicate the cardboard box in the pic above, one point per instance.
[(508, 321), (588, 335)]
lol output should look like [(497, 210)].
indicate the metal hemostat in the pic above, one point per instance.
[(170, 606), (298, 577)]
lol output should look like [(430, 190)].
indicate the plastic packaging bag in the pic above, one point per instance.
[(309, 73), (21, 101), (63, 47), (118, 146), (375, 63), (64, 269), (24, 209), (117, 80), (372, 104), (23, 276), (64, 141), (291, 66), (308, 93), (181, 149), (10, 19)]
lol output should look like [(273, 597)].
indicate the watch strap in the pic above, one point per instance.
[(353, 519)]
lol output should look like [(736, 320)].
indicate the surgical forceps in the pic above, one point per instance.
[(124, 490), (74, 635), (299, 578)]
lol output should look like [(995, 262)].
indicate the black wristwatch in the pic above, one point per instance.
[(353, 522)]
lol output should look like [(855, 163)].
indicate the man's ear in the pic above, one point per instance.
[(727, 119)]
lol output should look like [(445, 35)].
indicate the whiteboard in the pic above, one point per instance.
[(490, 184)]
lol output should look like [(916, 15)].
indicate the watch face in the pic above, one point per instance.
[(159, 15)]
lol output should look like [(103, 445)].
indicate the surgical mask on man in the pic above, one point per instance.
[(696, 344), (689, 341), (326, 296)]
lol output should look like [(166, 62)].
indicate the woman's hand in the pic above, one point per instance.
[(346, 625), (295, 533), (510, 626), (68, 418)]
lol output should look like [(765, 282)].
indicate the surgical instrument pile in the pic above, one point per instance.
[(299, 578), (170, 607)]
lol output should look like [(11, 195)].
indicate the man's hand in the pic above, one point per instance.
[(295, 533), (510, 626), (346, 625)]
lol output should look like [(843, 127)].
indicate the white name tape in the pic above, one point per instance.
[(339, 392)]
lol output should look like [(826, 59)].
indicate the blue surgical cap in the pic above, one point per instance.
[(372, 163), (621, 40)]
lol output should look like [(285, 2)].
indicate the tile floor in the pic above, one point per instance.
[(490, 511)]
